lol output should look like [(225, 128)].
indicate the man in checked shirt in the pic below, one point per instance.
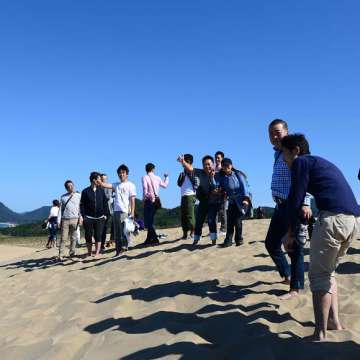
[(280, 186)]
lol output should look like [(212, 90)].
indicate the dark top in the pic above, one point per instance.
[(205, 187), (94, 203), (325, 182)]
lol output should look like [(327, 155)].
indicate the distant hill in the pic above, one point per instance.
[(9, 216), (30, 222)]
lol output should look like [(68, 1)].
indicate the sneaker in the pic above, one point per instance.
[(213, 242)]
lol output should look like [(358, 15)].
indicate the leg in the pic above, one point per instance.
[(64, 237), (98, 234), (73, 236), (222, 216), (322, 304), (103, 235), (334, 321), (184, 216), (201, 213), (117, 231), (238, 229), (277, 230), (230, 225), (88, 227), (297, 272), (212, 213)]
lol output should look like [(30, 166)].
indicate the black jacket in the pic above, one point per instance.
[(94, 203)]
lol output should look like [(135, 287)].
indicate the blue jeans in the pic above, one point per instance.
[(278, 228), (149, 214)]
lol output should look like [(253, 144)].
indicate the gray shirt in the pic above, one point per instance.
[(72, 209), (109, 196)]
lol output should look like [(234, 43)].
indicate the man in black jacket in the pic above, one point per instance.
[(94, 210)]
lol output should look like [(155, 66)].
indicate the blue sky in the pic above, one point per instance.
[(88, 85)]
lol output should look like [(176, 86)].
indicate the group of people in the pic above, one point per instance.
[(222, 194)]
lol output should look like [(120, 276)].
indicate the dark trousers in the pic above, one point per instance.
[(119, 236), (93, 228), (108, 222), (278, 228), (234, 222), (206, 209), (222, 216), (149, 214), (188, 213)]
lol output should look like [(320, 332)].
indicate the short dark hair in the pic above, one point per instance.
[(56, 202), (220, 153), (124, 168), (67, 182), (279, 122), (103, 174), (149, 167), (226, 162), (290, 142), (189, 158), (207, 157), (94, 175)]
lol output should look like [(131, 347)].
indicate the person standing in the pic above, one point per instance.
[(234, 184), (108, 221), (124, 206), (94, 211), (337, 226), (52, 224), (280, 187), (188, 186), (151, 185), (222, 214), (69, 219), (209, 199)]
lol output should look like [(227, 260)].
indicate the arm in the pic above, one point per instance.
[(188, 167), (106, 205), (82, 209), (106, 186), (132, 202), (60, 213), (300, 176), (164, 183)]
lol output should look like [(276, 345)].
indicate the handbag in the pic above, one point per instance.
[(157, 202)]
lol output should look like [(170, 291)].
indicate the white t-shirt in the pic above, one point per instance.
[(54, 211), (123, 192), (187, 188)]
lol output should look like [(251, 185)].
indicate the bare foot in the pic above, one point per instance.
[(291, 294), (316, 338), (335, 326)]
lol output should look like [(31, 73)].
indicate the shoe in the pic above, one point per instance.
[(213, 242), (60, 258), (226, 244), (72, 254), (222, 233), (239, 243), (117, 254), (155, 242), (195, 242)]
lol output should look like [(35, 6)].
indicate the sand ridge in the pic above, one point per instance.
[(172, 301)]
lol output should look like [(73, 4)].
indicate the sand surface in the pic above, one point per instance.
[(172, 301), (9, 252)]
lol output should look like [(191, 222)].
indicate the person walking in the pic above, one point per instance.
[(151, 185)]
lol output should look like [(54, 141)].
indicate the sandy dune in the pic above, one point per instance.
[(171, 302)]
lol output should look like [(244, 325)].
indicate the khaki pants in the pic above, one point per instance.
[(330, 241), (68, 229)]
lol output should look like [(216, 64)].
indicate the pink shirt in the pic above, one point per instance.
[(150, 183)]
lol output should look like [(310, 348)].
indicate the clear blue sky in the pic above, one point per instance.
[(88, 85)]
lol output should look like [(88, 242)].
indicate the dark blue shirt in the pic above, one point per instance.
[(325, 182)]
